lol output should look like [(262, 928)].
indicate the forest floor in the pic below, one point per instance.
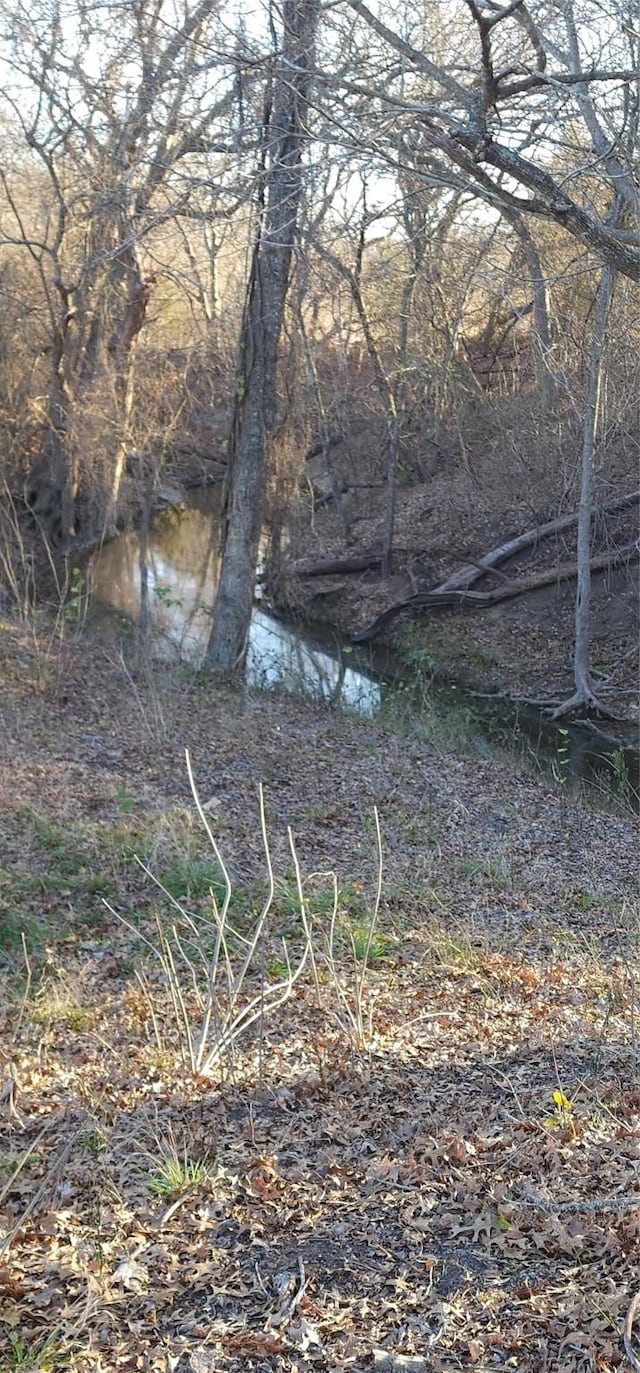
[(426, 1160)]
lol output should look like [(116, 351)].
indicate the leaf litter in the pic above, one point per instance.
[(461, 1192)]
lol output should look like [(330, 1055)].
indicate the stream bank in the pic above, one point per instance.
[(436, 676)]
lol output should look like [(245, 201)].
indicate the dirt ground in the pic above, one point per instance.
[(426, 1159)]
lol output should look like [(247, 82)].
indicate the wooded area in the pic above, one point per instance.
[(428, 233), (319, 1008)]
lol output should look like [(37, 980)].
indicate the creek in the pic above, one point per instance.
[(181, 571)]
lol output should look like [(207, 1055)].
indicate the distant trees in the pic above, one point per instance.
[(117, 107)]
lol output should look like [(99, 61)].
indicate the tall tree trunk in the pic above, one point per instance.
[(585, 692), (256, 390), (417, 244), (540, 292)]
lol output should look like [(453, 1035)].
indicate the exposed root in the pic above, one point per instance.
[(584, 696)]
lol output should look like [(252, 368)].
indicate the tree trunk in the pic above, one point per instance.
[(415, 227), (540, 292), (256, 395), (395, 417), (585, 692)]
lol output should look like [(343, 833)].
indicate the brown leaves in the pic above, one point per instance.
[(428, 1206)]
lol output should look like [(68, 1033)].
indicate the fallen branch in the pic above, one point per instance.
[(473, 571), (334, 567), (439, 598)]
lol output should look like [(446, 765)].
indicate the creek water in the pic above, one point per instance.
[(181, 573), (181, 568)]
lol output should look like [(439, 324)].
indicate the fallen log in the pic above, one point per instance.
[(440, 598), (472, 572), (334, 567)]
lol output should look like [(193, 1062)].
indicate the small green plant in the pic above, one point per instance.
[(193, 879), (492, 868), (588, 901), (377, 947), (177, 1173), (319, 899), (16, 922), (93, 1141), (29, 1356), (125, 800), (451, 949), (276, 969), (165, 599), (55, 1006), (76, 602), (9, 1162), (78, 1017)]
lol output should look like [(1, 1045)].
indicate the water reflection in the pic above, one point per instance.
[(279, 656), (181, 573)]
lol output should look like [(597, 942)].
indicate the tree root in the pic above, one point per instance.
[(584, 697)]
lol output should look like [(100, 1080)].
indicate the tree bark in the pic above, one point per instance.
[(416, 248), (540, 293), (335, 567), (256, 393), (585, 692)]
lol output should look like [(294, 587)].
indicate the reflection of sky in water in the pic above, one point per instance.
[(279, 656), (180, 598)]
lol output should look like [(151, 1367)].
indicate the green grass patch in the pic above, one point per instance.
[(28, 1355), (192, 880), (177, 1173), (492, 868)]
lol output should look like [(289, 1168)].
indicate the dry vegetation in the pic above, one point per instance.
[(455, 1186)]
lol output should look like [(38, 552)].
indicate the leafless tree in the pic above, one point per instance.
[(586, 692), (536, 109), (255, 410), (119, 108)]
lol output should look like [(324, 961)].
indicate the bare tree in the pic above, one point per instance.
[(118, 107), (493, 111), (255, 406), (586, 693)]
